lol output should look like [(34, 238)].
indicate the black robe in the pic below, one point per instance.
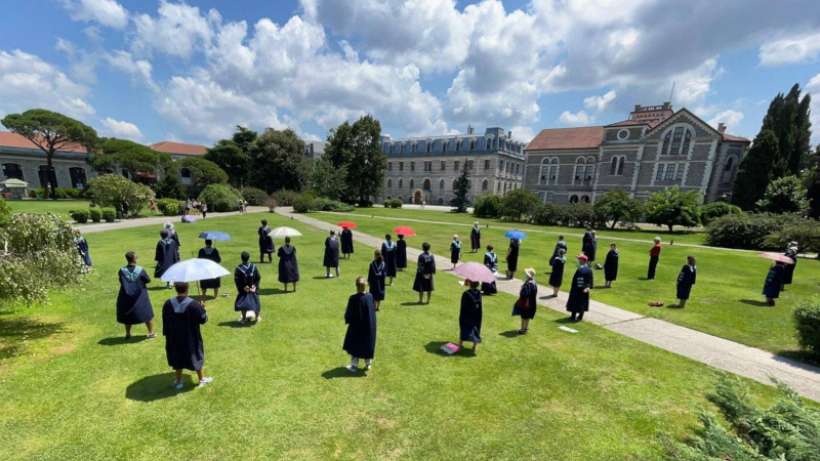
[(288, 266), (389, 255), (557, 274), (475, 239), (82, 248), (331, 256), (424, 273), (401, 253), (375, 279), (213, 255), (470, 315), (578, 300), (265, 240), (611, 266), (512, 256), (491, 263), (181, 318), (788, 271), (774, 281), (133, 303), (347, 241), (686, 278), (166, 255), (455, 251), (560, 245), (247, 276), (360, 316), (172, 234), (529, 291), (588, 246)]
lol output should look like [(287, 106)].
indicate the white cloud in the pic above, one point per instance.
[(137, 69), (579, 118), (731, 118), (178, 30), (106, 12), (813, 87), (692, 85), (83, 64), (121, 129), (26, 82), (790, 50), (599, 103)]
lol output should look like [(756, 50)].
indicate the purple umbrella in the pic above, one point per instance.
[(189, 218), (475, 272)]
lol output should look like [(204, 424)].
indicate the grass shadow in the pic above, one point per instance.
[(754, 302), (118, 340), (235, 324), (509, 334), (563, 320), (434, 347), (411, 303), (323, 277), (273, 291), (157, 387), (550, 296), (342, 372), (16, 332), (159, 288)]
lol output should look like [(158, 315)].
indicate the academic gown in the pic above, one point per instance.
[(512, 256), (455, 251), (133, 303), (347, 241), (331, 257), (247, 276), (173, 234), (578, 300), (588, 246), (360, 316), (166, 255), (389, 254), (788, 271), (288, 266), (557, 274), (774, 281), (560, 245), (424, 273), (401, 254), (686, 278), (491, 262), (213, 255), (611, 266), (529, 291), (470, 315), (265, 240), (475, 239), (376, 279), (181, 318), (82, 248)]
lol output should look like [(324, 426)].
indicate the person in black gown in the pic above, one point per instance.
[(686, 278), (588, 245), (774, 282), (512, 258), (425, 270), (557, 275), (578, 301), (401, 253), (246, 277), (82, 247), (172, 232), (611, 265), (360, 317), (166, 254), (470, 315), (133, 303), (527, 303), (491, 263), (561, 244), (455, 250), (389, 252), (184, 348), (376, 274), (266, 246), (788, 273), (288, 266), (346, 238), (209, 252), (331, 255), (475, 238)]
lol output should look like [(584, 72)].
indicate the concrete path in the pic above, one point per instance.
[(759, 365), (152, 221)]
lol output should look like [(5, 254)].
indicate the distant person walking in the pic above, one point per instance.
[(166, 254), (455, 250), (425, 270), (774, 282), (654, 257), (401, 253), (288, 265), (512, 257), (611, 265), (360, 317), (389, 250), (211, 253), (588, 245), (346, 238), (557, 274), (527, 302), (246, 278), (686, 278), (470, 315), (265, 242), (331, 256), (375, 278), (133, 303), (204, 209), (561, 244), (578, 301), (491, 263), (475, 238), (184, 348)]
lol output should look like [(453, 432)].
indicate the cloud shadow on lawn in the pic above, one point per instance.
[(434, 347), (118, 340), (157, 387), (342, 372), (754, 302)]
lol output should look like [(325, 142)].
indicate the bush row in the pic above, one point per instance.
[(94, 214), (393, 203), (308, 202), (764, 231), (59, 193)]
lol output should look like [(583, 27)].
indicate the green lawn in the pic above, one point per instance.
[(58, 207), (70, 388), (726, 301)]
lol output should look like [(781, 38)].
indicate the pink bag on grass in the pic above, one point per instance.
[(450, 348)]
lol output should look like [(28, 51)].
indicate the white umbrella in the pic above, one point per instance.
[(281, 232), (192, 270)]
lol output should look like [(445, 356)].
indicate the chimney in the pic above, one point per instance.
[(722, 127)]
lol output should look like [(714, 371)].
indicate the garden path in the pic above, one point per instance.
[(152, 221)]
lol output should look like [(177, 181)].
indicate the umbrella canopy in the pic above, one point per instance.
[(405, 231), (475, 272), (214, 235), (347, 224), (777, 257), (282, 232), (192, 270), (515, 234), (189, 219)]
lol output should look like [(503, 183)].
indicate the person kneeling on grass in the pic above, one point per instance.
[(184, 349), (360, 316), (470, 315), (527, 302), (246, 276)]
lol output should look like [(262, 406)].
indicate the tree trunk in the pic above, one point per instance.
[(48, 191), (670, 227)]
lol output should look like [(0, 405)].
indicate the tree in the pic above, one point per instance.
[(673, 207), (277, 161), (617, 206), (461, 188), (244, 138), (50, 132), (755, 170), (203, 173), (327, 180), (788, 117), (784, 195), (232, 159), (116, 191), (143, 163), (518, 204), (357, 147), (811, 179)]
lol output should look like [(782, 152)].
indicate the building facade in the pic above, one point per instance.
[(655, 148), (425, 169)]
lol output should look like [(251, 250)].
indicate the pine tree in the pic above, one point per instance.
[(756, 170), (461, 188)]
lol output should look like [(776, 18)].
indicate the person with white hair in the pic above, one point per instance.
[(654, 257), (172, 232), (527, 302)]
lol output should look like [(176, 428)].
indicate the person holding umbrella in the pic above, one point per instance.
[(401, 253), (288, 266), (557, 275), (346, 238), (425, 269), (455, 250), (166, 254), (389, 250), (209, 252), (475, 238), (686, 278), (578, 301), (527, 302), (375, 278), (512, 257), (611, 265), (265, 242), (491, 263), (246, 277), (184, 348), (470, 315), (654, 257), (360, 317), (331, 256), (133, 303)]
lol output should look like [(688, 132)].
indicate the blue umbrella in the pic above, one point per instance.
[(515, 234), (214, 235)]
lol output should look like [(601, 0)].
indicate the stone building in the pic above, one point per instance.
[(655, 148), (424, 169)]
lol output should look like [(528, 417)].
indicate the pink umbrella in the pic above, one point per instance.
[(189, 219), (475, 272), (777, 257)]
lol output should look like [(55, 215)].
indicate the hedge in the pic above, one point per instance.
[(393, 203), (109, 214), (95, 214), (254, 196), (170, 206), (79, 216), (487, 206), (807, 322), (220, 197), (749, 230)]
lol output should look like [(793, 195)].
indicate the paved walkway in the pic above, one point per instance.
[(152, 221), (759, 365)]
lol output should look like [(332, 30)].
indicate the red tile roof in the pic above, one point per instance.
[(651, 123), (731, 137), (179, 148), (9, 139), (568, 138)]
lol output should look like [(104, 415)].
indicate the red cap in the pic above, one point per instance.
[(583, 257)]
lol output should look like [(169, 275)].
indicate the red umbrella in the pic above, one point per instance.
[(405, 231), (347, 224), (781, 258)]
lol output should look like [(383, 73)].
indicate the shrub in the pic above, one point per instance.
[(673, 207), (749, 230), (807, 322), (124, 195), (109, 214), (5, 212), (617, 206), (270, 202), (170, 206), (806, 232), (304, 203), (326, 204), (784, 195), (393, 203), (518, 205), (95, 214), (79, 216), (714, 210), (36, 192), (546, 214), (487, 206), (220, 197), (203, 174), (254, 196), (285, 197)]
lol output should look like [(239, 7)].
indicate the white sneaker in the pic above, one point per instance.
[(352, 369), (369, 365), (205, 381), (178, 386)]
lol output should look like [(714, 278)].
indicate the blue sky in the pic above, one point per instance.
[(154, 70)]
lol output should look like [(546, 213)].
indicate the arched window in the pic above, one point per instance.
[(412, 183), (580, 166), (441, 185), (727, 167), (427, 186), (185, 173), (47, 173), (548, 173), (667, 139), (472, 144), (573, 199), (401, 183), (687, 140), (585, 198), (12, 170), (454, 184), (389, 183), (589, 171), (485, 185), (621, 165), (77, 175), (677, 141), (613, 166)]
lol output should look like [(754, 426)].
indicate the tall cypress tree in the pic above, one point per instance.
[(788, 117), (756, 170)]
